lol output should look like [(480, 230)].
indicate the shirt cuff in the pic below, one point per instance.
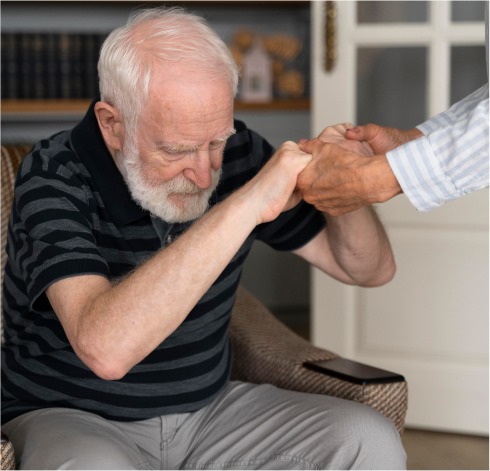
[(420, 175)]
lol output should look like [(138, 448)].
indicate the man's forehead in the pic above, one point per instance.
[(180, 78), (189, 112)]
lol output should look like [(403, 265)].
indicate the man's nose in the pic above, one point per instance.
[(199, 170)]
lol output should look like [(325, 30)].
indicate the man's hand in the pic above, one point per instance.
[(339, 181), (336, 135), (273, 189), (343, 177), (381, 139)]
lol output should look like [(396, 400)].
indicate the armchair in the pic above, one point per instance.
[(265, 350)]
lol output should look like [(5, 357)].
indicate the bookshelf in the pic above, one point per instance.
[(89, 18)]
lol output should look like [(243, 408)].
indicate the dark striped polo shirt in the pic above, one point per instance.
[(73, 215)]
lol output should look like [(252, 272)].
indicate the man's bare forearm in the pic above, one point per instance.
[(361, 247), (129, 321)]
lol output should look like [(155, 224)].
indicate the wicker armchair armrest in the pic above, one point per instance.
[(266, 351), (8, 457)]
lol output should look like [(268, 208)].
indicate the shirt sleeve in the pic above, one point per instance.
[(53, 227), (451, 159), (292, 229)]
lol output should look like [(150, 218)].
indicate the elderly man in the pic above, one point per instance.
[(126, 243)]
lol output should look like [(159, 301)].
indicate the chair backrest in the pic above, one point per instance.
[(11, 158)]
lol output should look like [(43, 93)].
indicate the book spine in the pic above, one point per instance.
[(10, 66), (65, 66), (51, 69), (90, 65), (77, 64), (38, 87), (26, 66)]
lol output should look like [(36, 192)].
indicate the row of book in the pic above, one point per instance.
[(50, 65)]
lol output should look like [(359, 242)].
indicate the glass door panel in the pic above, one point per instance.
[(468, 70), (391, 12), (391, 85), (467, 11)]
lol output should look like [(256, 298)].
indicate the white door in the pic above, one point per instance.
[(399, 63)]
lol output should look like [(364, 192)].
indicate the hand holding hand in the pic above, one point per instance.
[(344, 176), (334, 181)]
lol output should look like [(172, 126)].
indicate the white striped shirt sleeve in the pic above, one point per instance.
[(451, 159)]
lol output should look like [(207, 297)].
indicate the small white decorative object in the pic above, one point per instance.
[(257, 74)]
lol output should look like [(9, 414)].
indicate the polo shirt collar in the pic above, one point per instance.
[(88, 144)]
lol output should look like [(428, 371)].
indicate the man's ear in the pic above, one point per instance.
[(110, 124)]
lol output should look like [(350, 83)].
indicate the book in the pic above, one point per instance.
[(45, 65), (10, 64)]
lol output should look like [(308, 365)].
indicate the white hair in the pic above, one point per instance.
[(168, 35)]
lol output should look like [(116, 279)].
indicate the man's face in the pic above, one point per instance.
[(173, 163)]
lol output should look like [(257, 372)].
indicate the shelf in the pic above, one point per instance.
[(44, 106), (32, 107), (289, 104)]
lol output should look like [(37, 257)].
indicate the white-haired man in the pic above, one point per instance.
[(120, 279)]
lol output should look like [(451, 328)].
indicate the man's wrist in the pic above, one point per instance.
[(380, 181), (242, 202)]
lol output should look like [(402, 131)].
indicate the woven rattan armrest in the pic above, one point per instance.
[(8, 457), (266, 351)]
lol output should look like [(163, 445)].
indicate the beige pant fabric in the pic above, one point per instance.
[(247, 427)]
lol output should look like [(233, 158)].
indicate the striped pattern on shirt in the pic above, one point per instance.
[(451, 159), (72, 215)]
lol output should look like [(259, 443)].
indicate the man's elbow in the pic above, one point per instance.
[(109, 372), (105, 365), (383, 275)]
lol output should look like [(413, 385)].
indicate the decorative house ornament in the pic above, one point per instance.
[(283, 50), (257, 74)]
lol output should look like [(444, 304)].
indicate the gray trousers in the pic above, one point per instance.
[(246, 427)]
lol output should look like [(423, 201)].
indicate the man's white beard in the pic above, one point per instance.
[(193, 202)]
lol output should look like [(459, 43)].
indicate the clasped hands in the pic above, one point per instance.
[(330, 181), (349, 168)]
